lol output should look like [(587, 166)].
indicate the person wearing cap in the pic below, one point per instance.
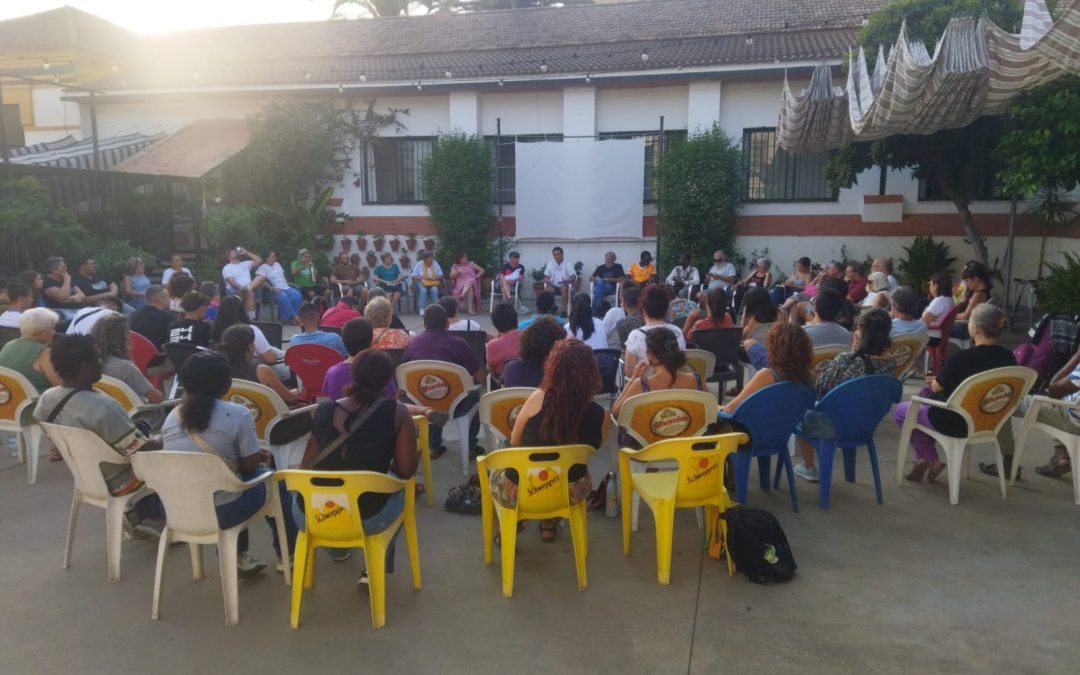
[(512, 273), (306, 276), (429, 277)]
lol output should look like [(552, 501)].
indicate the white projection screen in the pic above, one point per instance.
[(580, 188)]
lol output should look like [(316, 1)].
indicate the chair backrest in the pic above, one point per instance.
[(907, 348), (607, 361), (945, 322), (309, 362), (703, 362), (331, 512), (770, 414), (142, 351), (543, 484), (987, 399), (17, 396), (395, 355), (824, 355), (760, 333), (178, 353), (271, 330), (499, 409), (722, 342), (477, 340), (8, 333), (84, 452), (120, 392), (336, 330), (186, 483), (672, 413), (262, 401), (435, 384), (700, 462), (857, 406)]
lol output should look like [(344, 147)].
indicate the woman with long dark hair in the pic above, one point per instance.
[(560, 412), (584, 326), (231, 312), (238, 347), (977, 287), (666, 361), (717, 304), (757, 309)]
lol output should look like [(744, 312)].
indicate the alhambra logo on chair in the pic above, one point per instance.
[(542, 479), (434, 387), (511, 417), (240, 399), (996, 399), (669, 422), (5, 394), (331, 510)]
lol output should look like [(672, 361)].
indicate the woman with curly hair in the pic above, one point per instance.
[(560, 412), (666, 361), (790, 356), (534, 345)]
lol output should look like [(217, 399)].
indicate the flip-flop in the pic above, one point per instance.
[(437, 451)]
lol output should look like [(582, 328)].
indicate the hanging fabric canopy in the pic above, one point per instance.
[(976, 70)]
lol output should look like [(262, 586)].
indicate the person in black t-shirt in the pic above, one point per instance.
[(57, 289), (604, 280), (152, 321), (192, 327), (92, 284), (987, 323), (513, 272)]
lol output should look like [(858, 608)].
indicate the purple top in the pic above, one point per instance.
[(439, 345), (339, 376)]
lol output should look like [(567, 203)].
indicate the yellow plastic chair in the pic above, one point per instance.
[(332, 518), (543, 492), (907, 348), (697, 481), (17, 400), (985, 401), (441, 386), (825, 355), (499, 410), (423, 433), (269, 410), (704, 363), (662, 415)]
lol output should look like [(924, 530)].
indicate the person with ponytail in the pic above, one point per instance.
[(716, 301), (584, 326), (205, 422), (666, 361)]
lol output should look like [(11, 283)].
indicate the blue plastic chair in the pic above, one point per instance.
[(855, 409), (769, 416)]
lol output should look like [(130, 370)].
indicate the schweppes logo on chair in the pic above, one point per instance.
[(331, 510), (434, 387), (701, 469), (669, 422), (539, 481)]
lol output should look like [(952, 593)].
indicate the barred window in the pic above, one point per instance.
[(504, 158), (655, 144), (9, 118), (775, 175), (391, 171)]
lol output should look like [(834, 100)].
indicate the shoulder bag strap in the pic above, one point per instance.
[(336, 443), (60, 406), (201, 442)]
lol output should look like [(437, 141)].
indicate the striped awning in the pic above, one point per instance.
[(71, 154), (976, 70)]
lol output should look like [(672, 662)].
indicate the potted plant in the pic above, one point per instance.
[(379, 241), (346, 244), (410, 241), (538, 280), (372, 259), (429, 244), (395, 244), (361, 241)]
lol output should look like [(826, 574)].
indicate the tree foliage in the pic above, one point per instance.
[(458, 182), (32, 228), (698, 187), (1042, 135), (383, 8)]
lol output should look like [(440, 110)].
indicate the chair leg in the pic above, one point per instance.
[(826, 453), (742, 475), (303, 555), (33, 453), (785, 459), (1021, 440), (699, 514), (626, 489), (159, 570), (279, 523), (1071, 447), (871, 449), (1001, 466), (114, 534), (76, 499), (905, 441), (664, 513), (375, 561), (197, 572), (20, 444), (425, 459), (508, 533), (849, 464), (764, 462), (413, 542), (227, 562), (579, 539), (463, 442), (635, 500), (487, 522), (954, 451), (309, 569)]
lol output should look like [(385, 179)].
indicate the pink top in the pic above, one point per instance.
[(502, 349)]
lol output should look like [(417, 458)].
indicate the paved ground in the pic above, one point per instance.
[(914, 585)]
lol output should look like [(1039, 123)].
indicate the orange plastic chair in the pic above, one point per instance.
[(268, 410), (132, 403), (907, 348), (824, 355)]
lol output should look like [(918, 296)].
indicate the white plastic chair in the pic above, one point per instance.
[(131, 402), (17, 400), (498, 411), (441, 386), (985, 401), (1070, 440), (186, 483), (269, 410), (496, 292), (907, 348), (83, 452)]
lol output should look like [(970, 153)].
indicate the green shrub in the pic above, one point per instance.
[(923, 259), (111, 255), (230, 226), (1059, 291), (458, 182)]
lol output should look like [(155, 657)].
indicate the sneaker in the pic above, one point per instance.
[(247, 566), (363, 580), (808, 474), (150, 530), (340, 555)]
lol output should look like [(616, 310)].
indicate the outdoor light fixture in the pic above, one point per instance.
[(543, 66), (363, 76), (588, 77), (340, 88), (45, 64), (449, 74), (419, 86), (644, 54), (501, 83)]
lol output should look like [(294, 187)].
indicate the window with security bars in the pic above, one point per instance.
[(504, 157), (775, 175), (13, 131), (655, 144), (391, 171), (985, 181)]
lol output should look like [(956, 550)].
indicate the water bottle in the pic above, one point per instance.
[(611, 500)]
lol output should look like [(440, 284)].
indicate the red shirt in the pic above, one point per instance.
[(709, 324), (339, 315), (502, 349), (856, 291)]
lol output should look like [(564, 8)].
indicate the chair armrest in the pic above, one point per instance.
[(724, 415), (147, 407), (297, 411), (1057, 402), (930, 402)]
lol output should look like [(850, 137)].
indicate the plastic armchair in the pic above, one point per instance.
[(985, 401), (724, 344), (703, 362), (332, 518), (178, 353), (309, 362), (697, 481), (496, 291), (16, 416), (824, 355), (769, 416), (268, 411), (142, 353), (907, 348), (499, 410), (1031, 422), (761, 332), (441, 386), (662, 415), (132, 403), (856, 407), (186, 483), (936, 355), (83, 452), (423, 444), (543, 492)]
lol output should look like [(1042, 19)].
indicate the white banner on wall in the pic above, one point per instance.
[(580, 188)]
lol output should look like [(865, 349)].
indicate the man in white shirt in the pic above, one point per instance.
[(559, 274), (884, 265), (454, 323), (683, 276), (85, 318), (237, 276), (19, 300), (722, 273)]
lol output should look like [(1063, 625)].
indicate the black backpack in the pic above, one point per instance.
[(758, 545)]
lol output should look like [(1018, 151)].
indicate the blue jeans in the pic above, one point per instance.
[(426, 295), (600, 290), (288, 301), (375, 524), (239, 510)]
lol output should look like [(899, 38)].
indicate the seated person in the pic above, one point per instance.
[(113, 339), (722, 274), (559, 275), (465, 283), (790, 357), (152, 321), (20, 299), (604, 280), (716, 302), (757, 309), (179, 286), (58, 291), (504, 346), (584, 326), (237, 345), (428, 279), (192, 327), (379, 313), (93, 285), (632, 317), (535, 344), (210, 290), (512, 273), (237, 274), (388, 277), (823, 329), (83, 321), (341, 313), (230, 313), (800, 278), (668, 363), (30, 354), (643, 271), (654, 306), (395, 320), (346, 276), (877, 291), (306, 276), (904, 302), (309, 324), (288, 299), (976, 290), (683, 276), (545, 307), (451, 305), (855, 276), (941, 303)]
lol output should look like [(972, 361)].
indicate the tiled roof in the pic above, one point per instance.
[(191, 152), (62, 28)]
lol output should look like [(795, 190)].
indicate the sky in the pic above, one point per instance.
[(158, 16)]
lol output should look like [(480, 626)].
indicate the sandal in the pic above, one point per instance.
[(991, 469), (420, 489), (1057, 467), (547, 530), (918, 471), (934, 471)]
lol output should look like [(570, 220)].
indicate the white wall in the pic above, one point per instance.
[(640, 109), (50, 111), (539, 112)]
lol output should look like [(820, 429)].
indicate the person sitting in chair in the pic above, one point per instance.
[(512, 273), (604, 280), (559, 275), (683, 276)]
